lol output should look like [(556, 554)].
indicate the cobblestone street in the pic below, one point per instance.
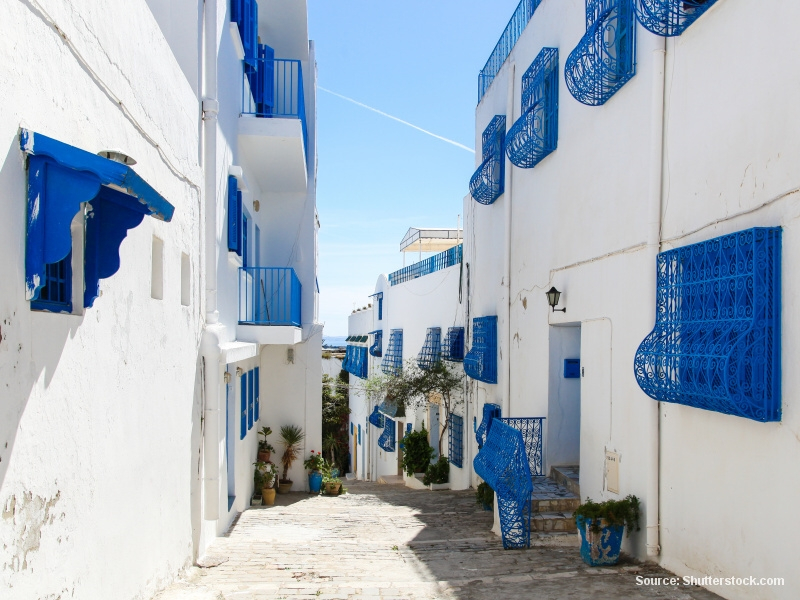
[(387, 541)]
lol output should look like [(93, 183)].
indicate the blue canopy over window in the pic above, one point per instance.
[(61, 178)]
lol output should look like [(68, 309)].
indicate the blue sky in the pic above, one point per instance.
[(418, 61)]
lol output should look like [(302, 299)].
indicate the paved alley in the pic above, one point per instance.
[(387, 541)]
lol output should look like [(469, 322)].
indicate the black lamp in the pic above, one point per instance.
[(552, 298)]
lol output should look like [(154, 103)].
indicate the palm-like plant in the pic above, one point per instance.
[(291, 437)]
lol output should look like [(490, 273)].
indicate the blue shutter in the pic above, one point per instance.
[(243, 424), (257, 393), (245, 255), (250, 400), (234, 216), (266, 64)]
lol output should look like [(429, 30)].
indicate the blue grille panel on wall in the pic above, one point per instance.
[(455, 446), (377, 346), (432, 349), (605, 58), (453, 348), (503, 464), (481, 361), (387, 439), (531, 430), (488, 182), (716, 343), (670, 17), (535, 134), (490, 412), (392, 363), (355, 361), (375, 418)]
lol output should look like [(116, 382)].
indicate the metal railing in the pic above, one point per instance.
[(437, 262), (273, 88), (516, 25), (269, 296)]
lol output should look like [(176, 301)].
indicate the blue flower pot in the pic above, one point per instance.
[(314, 482), (601, 548)]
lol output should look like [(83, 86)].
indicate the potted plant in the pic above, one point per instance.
[(266, 475), (291, 438), (258, 483), (315, 464), (601, 524), (437, 475), (265, 449), (417, 452), (484, 495)]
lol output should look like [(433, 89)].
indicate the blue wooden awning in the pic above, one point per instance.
[(61, 178)]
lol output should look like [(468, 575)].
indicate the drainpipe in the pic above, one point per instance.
[(507, 251), (653, 248)]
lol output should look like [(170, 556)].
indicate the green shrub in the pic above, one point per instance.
[(484, 494), (614, 512), (417, 452), (439, 472)]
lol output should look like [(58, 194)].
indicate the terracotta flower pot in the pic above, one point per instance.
[(284, 487), (268, 496), (263, 455), (332, 487)]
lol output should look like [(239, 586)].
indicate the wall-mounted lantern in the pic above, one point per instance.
[(553, 296)]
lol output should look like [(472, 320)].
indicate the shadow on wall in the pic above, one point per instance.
[(196, 457)]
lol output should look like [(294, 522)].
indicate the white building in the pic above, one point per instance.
[(120, 307)]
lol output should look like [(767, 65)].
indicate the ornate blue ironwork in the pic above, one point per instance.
[(388, 408), (375, 417), (455, 441), (481, 361), (670, 17), (502, 463), (355, 361), (488, 181), (437, 262), (490, 412), (516, 25), (531, 430), (716, 343), (605, 58), (387, 439), (431, 352), (535, 134), (392, 363), (377, 347), (453, 348), (270, 296)]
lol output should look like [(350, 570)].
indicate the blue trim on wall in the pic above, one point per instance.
[(481, 361)]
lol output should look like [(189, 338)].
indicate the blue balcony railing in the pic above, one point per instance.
[(273, 88), (269, 296), (437, 262)]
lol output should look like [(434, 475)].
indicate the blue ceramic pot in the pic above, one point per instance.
[(600, 548), (314, 482)]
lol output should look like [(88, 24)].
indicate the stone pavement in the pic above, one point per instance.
[(388, 541)]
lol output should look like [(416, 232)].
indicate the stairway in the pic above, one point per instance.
[(553, 500)]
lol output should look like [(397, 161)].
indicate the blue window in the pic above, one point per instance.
[(431, 351), (535, 134), (359, 434), (251, 402), (716, 343), (61, 178), (488, 182), (243, 402), (376, 349), (351, 428), (453, 349), (387, 439), (234, 216), (355, 361), (670, 17), (257, 394), (56, 293), (481, 361), (605, 58), (245, 14), (245, 254), (380, 306), (392, 363), (455, 451)]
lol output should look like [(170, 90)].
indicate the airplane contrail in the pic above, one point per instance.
[(380, 112)]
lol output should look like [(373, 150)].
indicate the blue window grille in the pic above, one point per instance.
[(270, 296), (56, 293), (409, 427), (388, 408), (376, 349), (455, 445), (432, 349), (488, 182), (257, 394), (376, 418), (716, 343), (490, 412), (670, 17), (516, 25), (605, 58), (387, 439), (243, 402), (535, 134), (355, 361), (245, 14), (531, 429), (392, 363), (234, 216), (481, 361), (503, 464), (437, 262), (453, 348)]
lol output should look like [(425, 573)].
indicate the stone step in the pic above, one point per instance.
[(554, 505), (391, 479), (567, 477), (549, 496), (553, 521)]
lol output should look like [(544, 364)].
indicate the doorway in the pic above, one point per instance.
[(563, 443), (433, 413)]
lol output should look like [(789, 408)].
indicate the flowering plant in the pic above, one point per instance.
[(314, 462)]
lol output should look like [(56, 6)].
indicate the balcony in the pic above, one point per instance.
[(269, 305), (273, 136), (440, 261)]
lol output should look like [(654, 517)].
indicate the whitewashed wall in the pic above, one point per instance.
[(361, 323)]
